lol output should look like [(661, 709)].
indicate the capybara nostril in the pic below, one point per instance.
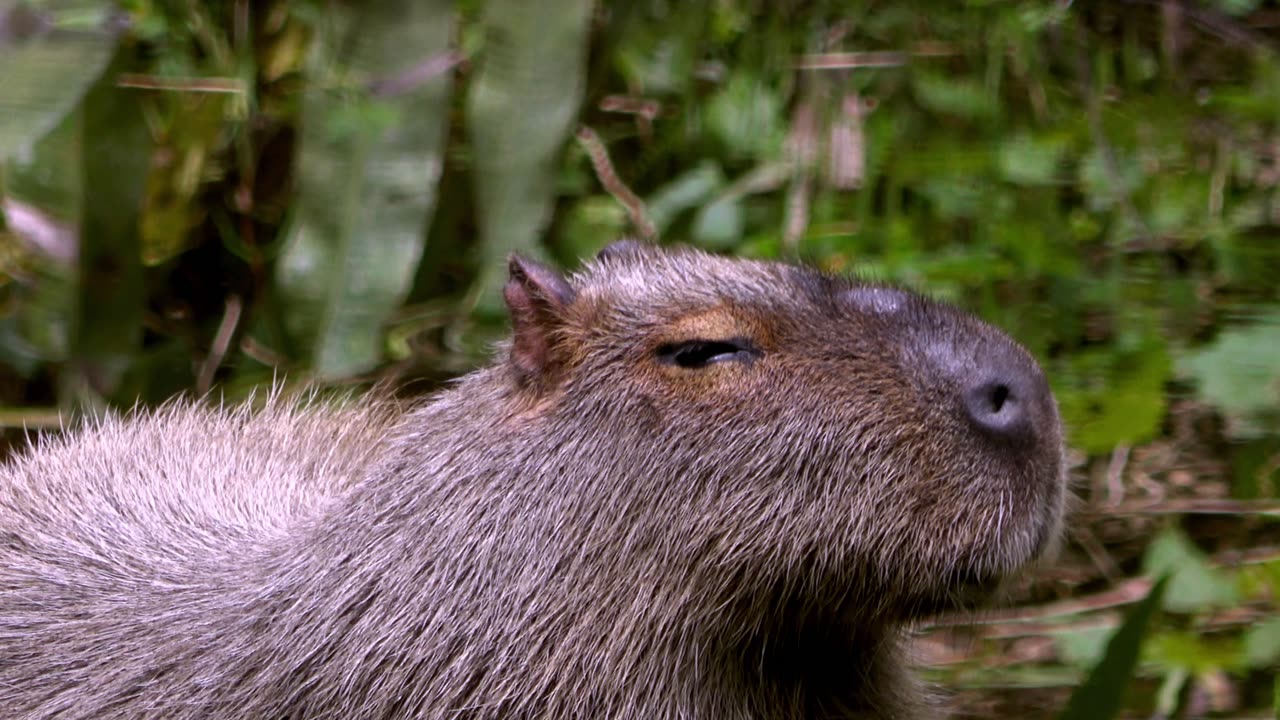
[(1004, 399), (995, 408)]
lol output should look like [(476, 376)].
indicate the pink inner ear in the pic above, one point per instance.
[(541, 282), (536, 297), (530, 342)]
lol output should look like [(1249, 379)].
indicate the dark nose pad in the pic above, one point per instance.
[(1004, 402)]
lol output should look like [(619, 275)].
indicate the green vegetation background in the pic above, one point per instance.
[(211, 195)]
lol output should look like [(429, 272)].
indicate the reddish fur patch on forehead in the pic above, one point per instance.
[(711, 324), (724, 321)]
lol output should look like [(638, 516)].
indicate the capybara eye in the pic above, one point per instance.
[(696, 354)]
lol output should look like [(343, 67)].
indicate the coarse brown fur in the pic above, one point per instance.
[(597, 526)]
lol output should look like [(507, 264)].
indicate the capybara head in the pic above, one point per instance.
[(852, 450)]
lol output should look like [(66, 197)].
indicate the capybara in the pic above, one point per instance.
[(689, 487)]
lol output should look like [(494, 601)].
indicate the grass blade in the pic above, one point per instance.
[(1101, 695), (115, 159)]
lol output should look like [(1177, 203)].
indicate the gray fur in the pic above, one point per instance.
[(612, 538)]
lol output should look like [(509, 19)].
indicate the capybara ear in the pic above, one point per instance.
[(537, 298), (622, 247)]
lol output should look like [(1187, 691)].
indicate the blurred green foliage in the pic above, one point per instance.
[(215, 194)]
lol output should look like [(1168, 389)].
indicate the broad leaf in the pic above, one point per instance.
[(76, 202), (47, 69), (1194, 584), (368, 163), (522, 107), (1239, 373), (1114, 397), (115, 157), (1262, 644)]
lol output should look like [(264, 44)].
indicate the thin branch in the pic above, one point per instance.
[(603, 166), (181, 84), (871, 59), (221, 343), (417, 75)]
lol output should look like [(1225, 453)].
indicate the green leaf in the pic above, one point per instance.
[(1106, 179), (1194, 584), (719, 223), (77, 198), (42, 206), (1028, 160), (1170, 690), (963, 97), (746, 115), (955, 197), (687, 190), (1262, 644), (47, 72), (521, 109), (1082, 647), (1114, 396), (1261, 580), (116, 154), (368, 162), (1101, 695), (1239, 373), (657, 63), (592, 223), (1195, 652), (1176, 205), (1237, 7)]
